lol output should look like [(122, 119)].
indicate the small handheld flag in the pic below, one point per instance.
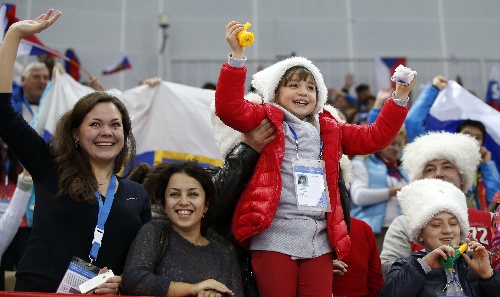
[(122, 63), (29, 45), (72, 64)]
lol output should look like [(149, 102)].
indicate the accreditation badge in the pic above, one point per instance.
[(310, 185), (79, 271)]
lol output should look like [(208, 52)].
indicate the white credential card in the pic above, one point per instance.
[(310, 186)]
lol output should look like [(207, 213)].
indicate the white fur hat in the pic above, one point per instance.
[(460, 149), (421, 200), (266, 81)]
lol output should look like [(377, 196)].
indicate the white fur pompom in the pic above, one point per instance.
[(403, 75)]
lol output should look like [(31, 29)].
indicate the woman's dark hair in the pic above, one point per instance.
[(140, 172), (157, 180), (76, 177), (151, 181)]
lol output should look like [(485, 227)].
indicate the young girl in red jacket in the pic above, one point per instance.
[(294, 232)]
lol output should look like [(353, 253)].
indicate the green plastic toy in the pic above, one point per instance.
[(448, 263)]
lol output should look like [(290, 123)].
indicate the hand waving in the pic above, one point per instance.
[(31, 27)]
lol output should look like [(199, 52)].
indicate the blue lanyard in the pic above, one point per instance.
[(454, 278), (104, 209), (297, 143)]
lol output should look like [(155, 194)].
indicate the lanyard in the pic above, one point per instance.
[(28, 106), (454, 278), (296, 138), (104, 209)]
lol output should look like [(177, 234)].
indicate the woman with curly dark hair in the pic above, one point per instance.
[(171, 256), (83, 209)]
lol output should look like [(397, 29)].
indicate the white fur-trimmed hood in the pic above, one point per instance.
[(460, 149), (421, 200), (266, 81), (226, 137)]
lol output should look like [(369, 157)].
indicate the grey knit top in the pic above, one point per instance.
[(148, 272)]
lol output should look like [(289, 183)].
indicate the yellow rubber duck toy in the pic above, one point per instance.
[(245, 38)]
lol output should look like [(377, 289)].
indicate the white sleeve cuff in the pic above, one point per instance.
[(424, 265), (400, 102), (238, 63)]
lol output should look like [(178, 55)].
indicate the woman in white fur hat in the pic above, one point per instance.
[(436, 213), (289, 230)]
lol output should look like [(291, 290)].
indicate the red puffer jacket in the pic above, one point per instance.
[(258, 204)]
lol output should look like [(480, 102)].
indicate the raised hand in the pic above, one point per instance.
[(8, 49), (232, 29), (152, 81), (348, 81), (440, 82), (95, 83), (31, 27), (402, 90)]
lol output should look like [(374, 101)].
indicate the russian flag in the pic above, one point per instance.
[(168, 105), (384, 69), (121, 64), (29, 45), (72, 65), (455, 104), (493, 90)]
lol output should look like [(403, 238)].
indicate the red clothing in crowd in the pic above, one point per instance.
[(364, 274)]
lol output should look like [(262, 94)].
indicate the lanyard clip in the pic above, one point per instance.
[(98, 234)]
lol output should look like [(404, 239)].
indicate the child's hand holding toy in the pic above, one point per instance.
[(448, 263), (238, 38), (405, 79), (245, 38), (403, 75)]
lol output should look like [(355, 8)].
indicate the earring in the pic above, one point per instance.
[(77, 143)]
